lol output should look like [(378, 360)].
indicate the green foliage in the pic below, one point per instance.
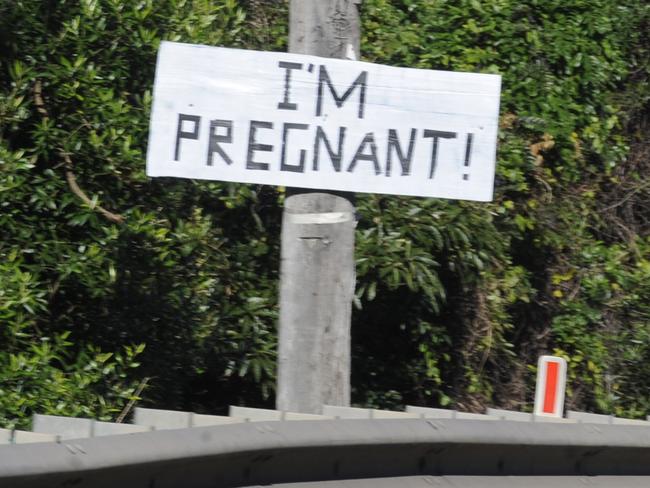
[(606, 320), (186, 268), (45, 378), (564, 149), (454, 300)]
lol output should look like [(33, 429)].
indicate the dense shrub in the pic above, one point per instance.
[(454, 301)]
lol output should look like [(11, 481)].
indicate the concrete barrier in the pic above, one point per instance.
[(162, 419), (303, 416), (64, 427), (621, 421), (26, 437), (267, 453), (431, 413), (249, 414), (100, 429), (346, 412), (589, 418), (6, 436), (254, 414), (510, 415), (334, 411), (201, 420)]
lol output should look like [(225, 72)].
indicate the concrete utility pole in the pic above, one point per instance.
[(317, 277)]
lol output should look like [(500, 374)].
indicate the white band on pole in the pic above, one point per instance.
[(320, 218)]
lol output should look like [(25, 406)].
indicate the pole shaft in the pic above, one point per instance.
[(317, 276)]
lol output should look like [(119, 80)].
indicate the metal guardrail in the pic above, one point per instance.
[(482, 482), (54, 428), (327, 451)]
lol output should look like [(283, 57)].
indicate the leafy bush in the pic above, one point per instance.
[(455, 300), (524, 275)]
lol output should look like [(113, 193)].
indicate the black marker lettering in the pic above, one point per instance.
[(405, 161), (215, 139), (285, 104), (182, 134), (436, 135), (468, 155), (300, 168), (254, 146), (361, 81), (369, 139), (335, 157)]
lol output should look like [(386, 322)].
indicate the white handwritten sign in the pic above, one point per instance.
[(311, 122)]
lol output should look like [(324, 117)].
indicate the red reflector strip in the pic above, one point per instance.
[(550, 392)]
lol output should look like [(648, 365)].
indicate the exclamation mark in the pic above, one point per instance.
[(468, 155)]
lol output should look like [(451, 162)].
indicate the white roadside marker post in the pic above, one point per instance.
[(550, 387)]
